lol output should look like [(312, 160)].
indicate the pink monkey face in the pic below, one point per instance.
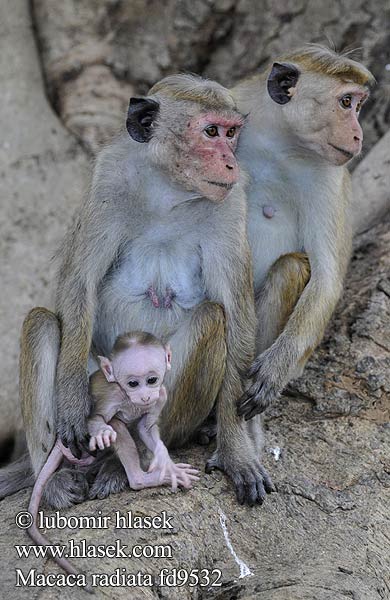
[(140, 371), (209, 164)]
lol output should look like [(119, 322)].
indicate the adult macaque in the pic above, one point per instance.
[(302, 129), (159, 246), (129, 388)]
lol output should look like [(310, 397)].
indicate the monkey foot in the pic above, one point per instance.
[(65, 488), (174, 474), (110, 479), (250, 479), (206, 432)]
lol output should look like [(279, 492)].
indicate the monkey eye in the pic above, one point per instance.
[(346, 101), (211, 130), (133, 384), (231, 132), (152, 380)]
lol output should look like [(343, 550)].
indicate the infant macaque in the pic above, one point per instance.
[(129, 387)]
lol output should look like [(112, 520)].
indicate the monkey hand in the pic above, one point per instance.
[(180, 474), (103, 438), (268, 383), (249, 477), (73, 409)]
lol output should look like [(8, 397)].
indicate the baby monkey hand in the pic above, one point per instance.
[(103, 438)]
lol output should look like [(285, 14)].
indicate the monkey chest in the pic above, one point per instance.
[(159, 271), (273, 230)]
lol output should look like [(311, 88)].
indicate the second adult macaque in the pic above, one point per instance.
[(129, 388), (303, 127)]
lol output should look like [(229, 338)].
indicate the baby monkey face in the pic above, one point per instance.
[(140, 371)]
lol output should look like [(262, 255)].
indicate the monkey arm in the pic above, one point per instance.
[(86, 256), (233, 288), (102, 434)]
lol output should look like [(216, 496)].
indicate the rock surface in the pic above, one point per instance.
[(96, 52), (325, 533), (42, 177)]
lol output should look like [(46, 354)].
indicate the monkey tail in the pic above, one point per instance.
[(51, 465), (16, 476)]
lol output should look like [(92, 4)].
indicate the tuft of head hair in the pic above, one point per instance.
[(193, 88), (320, 59), (134, 338)]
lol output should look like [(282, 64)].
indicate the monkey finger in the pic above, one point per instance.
[(240, 492), (174, 482), (267, 481), (100, 442), (92, 444), (107, 439), (260, 492), (256, 410), (191, 471), (251, 492)]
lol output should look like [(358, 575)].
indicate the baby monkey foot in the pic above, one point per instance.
[(176, 475)]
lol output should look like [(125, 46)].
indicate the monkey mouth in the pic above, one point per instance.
[(227, 186), (345, 152)]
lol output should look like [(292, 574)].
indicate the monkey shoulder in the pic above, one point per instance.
[(102, 392)]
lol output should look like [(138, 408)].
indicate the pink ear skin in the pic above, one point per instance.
[(168, 357), (107, 369)]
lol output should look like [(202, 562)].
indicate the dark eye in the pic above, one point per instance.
[(231, 132), (152, 380), (346, 101), (211, 130), (133, 384)]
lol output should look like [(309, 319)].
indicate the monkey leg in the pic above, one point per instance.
[(275, 303), (278, 296), (201, 344), (40, 344)]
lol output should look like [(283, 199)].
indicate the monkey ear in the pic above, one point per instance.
[(168, 357), (140, 118), (106, 367), (283, 76)]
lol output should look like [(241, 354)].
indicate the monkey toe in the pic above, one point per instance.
[(213, 463), (207, 431), (110, 479), (65, 488)]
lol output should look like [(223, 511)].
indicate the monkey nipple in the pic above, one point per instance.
[(268, 211), (151, 293), (169, 296)]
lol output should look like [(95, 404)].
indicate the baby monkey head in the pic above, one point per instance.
[(138, 364), (192, 128)]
